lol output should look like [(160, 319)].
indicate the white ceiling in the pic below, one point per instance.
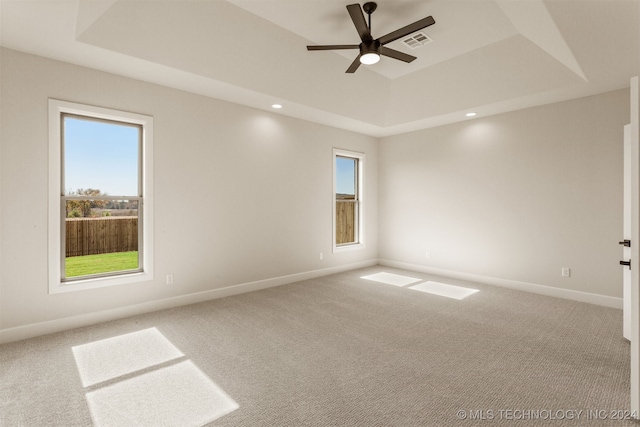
[(488, 56)]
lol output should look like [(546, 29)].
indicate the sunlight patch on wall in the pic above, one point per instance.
[(391, 279), (444, 290), (178, 395), (111, 358)]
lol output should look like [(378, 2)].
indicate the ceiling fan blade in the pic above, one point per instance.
[(354, 65), (334, 47), (355, 11), (405, 31), (392, 53)]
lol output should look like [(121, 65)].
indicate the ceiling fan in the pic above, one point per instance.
[(370, 49)]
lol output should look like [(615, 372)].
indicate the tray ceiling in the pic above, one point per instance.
[(487, 56)]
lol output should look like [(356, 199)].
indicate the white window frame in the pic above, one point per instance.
[(56, 109), (360, 240)]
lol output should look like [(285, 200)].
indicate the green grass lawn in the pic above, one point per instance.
[(101, 263)]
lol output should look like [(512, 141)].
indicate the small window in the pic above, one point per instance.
[(101, 182), (347, 218)]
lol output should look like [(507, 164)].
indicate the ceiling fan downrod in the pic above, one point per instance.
[(369, 8)]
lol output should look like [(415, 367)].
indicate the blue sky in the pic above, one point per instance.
[(101, 155), (345, 175)]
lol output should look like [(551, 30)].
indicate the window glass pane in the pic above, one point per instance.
[(101, 236), (346, 217), (346, 200), (101, 156), (346, 172)]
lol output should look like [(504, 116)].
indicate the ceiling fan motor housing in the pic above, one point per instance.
[(371, 46)]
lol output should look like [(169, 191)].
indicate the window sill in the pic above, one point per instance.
[(349, 247), (58, 287)]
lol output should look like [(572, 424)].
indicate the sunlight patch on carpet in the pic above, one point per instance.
[(114, 357), (444, 290), (178, 395), (391, 279)]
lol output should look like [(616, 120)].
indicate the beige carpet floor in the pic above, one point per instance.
[(334, 351)]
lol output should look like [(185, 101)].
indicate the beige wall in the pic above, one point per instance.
[(515, 196), (244, 195), (241, 195)]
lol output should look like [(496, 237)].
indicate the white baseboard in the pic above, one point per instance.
[(58, 325), (590, 298)]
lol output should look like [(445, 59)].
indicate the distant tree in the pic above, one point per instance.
[(83, 207)]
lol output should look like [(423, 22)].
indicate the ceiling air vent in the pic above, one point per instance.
[(417, 40)]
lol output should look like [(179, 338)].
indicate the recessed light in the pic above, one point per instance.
[(276, 106), (470, 114)]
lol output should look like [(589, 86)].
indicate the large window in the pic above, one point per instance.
[(348, 206), (100, 197)]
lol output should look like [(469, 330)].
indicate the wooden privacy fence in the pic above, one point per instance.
[(345, 222), (88, 236)]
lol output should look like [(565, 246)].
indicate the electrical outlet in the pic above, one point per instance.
[(321, 255), (169, 279), (566, 272), (427, 255)]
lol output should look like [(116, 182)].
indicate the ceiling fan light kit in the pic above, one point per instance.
[(370, 49), (369, 53), (369, 58)]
